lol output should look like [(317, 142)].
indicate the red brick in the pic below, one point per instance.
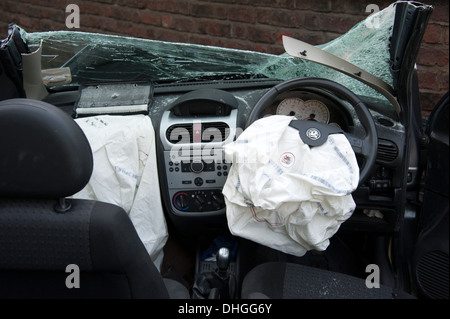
[(200, 39), (29, 24), (292, 19), (433, 56), (239, 31), (214, 28), (100, 23), (185, 24), (150, 18), (337, 23), (322, 6), (263, 3), (140, 31), (304, 4), (166, 21), (440, 12), (445, 35), (290, 4), (268, 48), (227, 1), (91, 8), (262, 34), (312, 21), (140, 4), (121, 13), (428, 80), (241, 14), (202, 10), (433, 34), (167, 6), (233, 44)]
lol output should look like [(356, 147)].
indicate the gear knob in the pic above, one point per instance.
[(223, 259)]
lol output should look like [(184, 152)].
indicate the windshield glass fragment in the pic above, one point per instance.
[(103, 58)]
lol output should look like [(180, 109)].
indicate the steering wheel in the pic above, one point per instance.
[(365, 146)]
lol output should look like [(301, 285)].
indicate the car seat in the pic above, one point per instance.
[(282, 280), (54, 247)]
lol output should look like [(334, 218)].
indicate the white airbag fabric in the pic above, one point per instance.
[(125, 174), (285, 195)]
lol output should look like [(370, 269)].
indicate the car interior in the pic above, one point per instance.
[(170, 149)]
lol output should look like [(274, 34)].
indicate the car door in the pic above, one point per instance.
[(430, 268)]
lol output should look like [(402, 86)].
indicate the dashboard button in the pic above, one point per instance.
[(198, 181)]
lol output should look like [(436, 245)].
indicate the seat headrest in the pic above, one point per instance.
[(43, 152)]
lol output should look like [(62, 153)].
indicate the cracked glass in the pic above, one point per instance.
[(103, 58)]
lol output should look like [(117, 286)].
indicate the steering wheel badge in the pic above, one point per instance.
[(314, 133)]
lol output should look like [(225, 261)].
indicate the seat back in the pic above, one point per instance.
[(50, 246)]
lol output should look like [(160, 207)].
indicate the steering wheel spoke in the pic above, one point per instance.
[(357, 144)]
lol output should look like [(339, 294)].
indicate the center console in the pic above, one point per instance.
[(193, 133)]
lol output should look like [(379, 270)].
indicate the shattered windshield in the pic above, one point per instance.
[(99, 58)]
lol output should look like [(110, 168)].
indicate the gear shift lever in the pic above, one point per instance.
[(223, 261)]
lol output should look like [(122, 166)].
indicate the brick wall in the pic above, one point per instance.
[(243, 24)]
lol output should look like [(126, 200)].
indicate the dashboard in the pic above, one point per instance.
[(194, 121)]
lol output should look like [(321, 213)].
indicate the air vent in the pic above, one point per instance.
[(387, 150), (215, 132), (385, 122), (210, 132), (432, 274), (180, 133)]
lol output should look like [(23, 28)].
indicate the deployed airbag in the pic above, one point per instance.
[(125, 174), (284, 194)]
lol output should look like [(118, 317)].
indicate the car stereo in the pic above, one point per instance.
[(194, 160)]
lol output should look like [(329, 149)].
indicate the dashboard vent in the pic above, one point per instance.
[(215, 132), (387, 150), (180, 133), (210, 132), (385, 122)]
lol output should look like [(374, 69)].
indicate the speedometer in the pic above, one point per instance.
[(315, 110), (291, 106)]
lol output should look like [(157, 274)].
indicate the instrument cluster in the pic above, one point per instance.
[(309, 106)]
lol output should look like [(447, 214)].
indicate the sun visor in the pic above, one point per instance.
[(285, 194), (32, 75)]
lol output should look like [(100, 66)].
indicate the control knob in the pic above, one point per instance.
[(218, 201), (182, 201), (197, 166)]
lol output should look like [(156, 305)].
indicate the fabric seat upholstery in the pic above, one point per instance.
[(279, 280), (44, 158)]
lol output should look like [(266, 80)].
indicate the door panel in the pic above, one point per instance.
[(430, 268)]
